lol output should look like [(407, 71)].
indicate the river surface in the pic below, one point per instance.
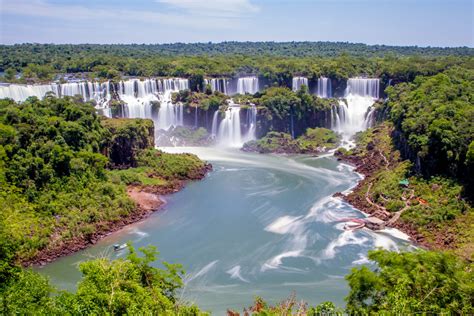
[(256, 225)]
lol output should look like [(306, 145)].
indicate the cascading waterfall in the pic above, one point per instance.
[(140, 95), (99, 92), (217, 84), (324, 88), (229, 134), (20, 93), (351, 116), (251, 123), (137, 94), (215, 118), (247, 85), (364, 87), (298, 82)]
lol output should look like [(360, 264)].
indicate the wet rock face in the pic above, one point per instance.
[(126, 138)]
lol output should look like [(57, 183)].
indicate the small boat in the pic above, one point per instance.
[(353, 223), (353, 226), (118, 247)]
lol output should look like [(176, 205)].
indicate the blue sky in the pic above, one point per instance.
[(391, 22)]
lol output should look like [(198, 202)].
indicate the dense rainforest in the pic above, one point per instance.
[(276, 62), (65, 171)]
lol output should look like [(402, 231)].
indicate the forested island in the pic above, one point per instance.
[(79, 125)]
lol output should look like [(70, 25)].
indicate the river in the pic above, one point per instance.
[(262, 225)]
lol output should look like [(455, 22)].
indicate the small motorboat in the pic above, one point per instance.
[(118, 247), (353, 223)]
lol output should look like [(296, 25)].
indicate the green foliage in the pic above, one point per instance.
[(273, 142), (35, 72), (187, 136), (27, 294), (204, 101), (433, 207), (315, 140), (10, 74), (276, 62), (171, 166), (434, 118), (411, 283), (55, 186), (128, 286), (126, 138), (287, 307)]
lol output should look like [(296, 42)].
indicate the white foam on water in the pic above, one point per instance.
[(204, 270), (362, 260), (234, 273), (382, 241), (276, 261), (329, 210), (140, 233), (396, 233), (344, 239), (283, 225)]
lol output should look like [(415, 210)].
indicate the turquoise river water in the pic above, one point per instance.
[(262, 225)]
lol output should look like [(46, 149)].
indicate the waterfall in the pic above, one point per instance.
[(141, 95), (138, 95), (247, 85), (195, 116), (251, 124), (215, 117), (89, 91), (324, 88), (20, 93), (352, 116), (229, 134), (364, 87), (217, 84), (298, 82), (132, 92)]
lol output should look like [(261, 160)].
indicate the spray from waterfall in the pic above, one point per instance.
[(229, 134), (251, 124), (352, 115)]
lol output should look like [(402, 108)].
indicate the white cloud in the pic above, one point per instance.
[(114, 14), (226, 8)]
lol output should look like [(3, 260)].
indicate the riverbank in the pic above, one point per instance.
[(430, 211), (147, 199)]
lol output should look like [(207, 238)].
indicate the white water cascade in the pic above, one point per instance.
[(215, 118), (99, 92), (247, 85), (139, 96), (251, 124), (324, 88), (229, 134), (298, 82), (217, 84), (351, 115)]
